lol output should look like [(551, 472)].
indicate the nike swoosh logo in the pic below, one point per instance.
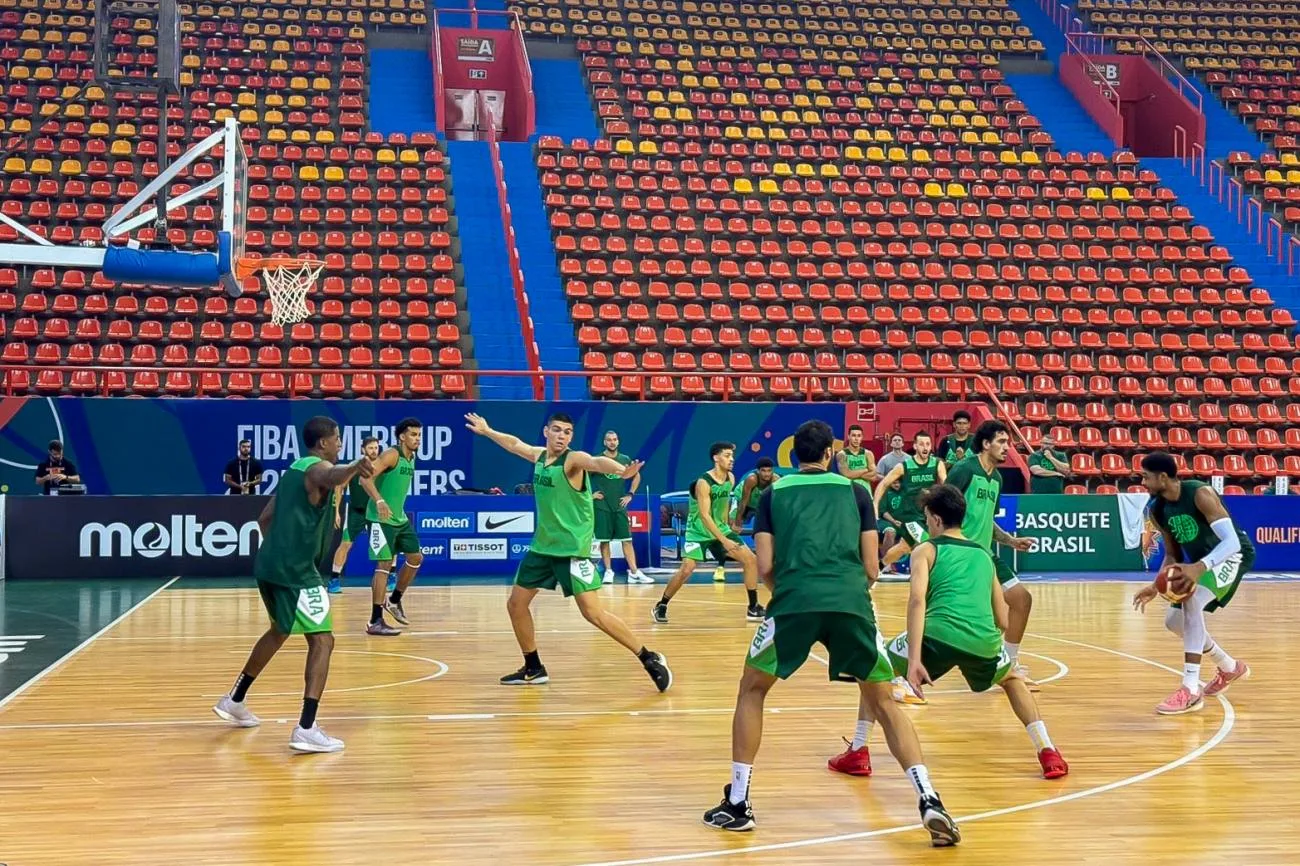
[(491, 524)]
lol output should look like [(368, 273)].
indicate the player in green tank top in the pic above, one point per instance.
[(353, 521), (1208, 555), (915, 475), (856, 462), (296, 534), (816, 538), (955, 613), (391, 532), (977, 477), (559, 556), (612, 493), (709, 533)]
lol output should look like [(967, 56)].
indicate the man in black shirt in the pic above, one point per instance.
[(244, 473), (55, 470)]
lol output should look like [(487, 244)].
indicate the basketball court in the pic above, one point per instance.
[(105, 720)]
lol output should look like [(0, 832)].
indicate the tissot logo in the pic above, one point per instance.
[(183, 535), (479, 548), (514, 522)]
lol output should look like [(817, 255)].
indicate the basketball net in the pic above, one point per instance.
[(288, 281)]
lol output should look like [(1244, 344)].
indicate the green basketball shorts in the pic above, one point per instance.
[(1006, 574), (355, 525), (701, 549), (572, 575), (913, 532), (938, 657), (386, 540), (612, 525), (297, 611), (1224, 580), (854, 649)]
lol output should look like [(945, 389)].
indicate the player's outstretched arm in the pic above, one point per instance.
[(942, 472), (321, 478), (922, 560), (516, 446), (1001, 536), (581, 460), (892, 476)]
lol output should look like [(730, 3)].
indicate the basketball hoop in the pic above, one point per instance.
[(287, 282)]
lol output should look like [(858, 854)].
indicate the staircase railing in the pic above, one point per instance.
[(1279, 243), (1079, 46), (1186, 89), (531, 353), (1062, 15)]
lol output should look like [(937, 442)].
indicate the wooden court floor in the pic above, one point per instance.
[(115, 758)]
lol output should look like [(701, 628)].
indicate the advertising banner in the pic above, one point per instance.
[(131, 536), (1076, 533), (181, 447)]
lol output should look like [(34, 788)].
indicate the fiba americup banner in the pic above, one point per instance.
[(180, 447), (218, 536)]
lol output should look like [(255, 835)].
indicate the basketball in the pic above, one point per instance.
[(1163, 580)]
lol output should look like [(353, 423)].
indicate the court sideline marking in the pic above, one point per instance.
[(1229, 719), (66, 657)]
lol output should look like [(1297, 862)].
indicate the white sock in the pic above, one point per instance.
[(337, 570), (862, 735), (1013, 651), (1225, 662), (1192, 676), (920, 778), (740, 774), (1038, 735)]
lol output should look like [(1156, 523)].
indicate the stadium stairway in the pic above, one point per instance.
[(563, 103), (1244, 247), (401, 91), (556, 340), (493, 316), (1062, 116)]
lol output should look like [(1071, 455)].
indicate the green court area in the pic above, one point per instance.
[(41, 621)]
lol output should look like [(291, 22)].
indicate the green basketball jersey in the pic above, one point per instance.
[(299, 537), (358, 498), (917, 479), (959, 600), (856, 461), (719, 510), (952, 449), (565, 517), (1044, 484), (891, 503), (393, 486), (1188, 525), (982, 490), (612, 487), (816, 522)]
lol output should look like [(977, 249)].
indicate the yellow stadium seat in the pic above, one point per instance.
[(897, 154), (15, 165), (956, 190), (683, 115), (308, 173), (767, 186), (853, 152), (646, 147), (1120, 193), (875, 154), (969, 137), (920, 155), (120, 147), (276, 135), (743, 186), (782, 169), (70, 168), (623, 145), (755, 133), (803, 169), (776, 133), (662, 112), (1290, 158), (933, 190), (1293, 176), (334, 174), (1008, 157), (829, 170), (1095, 193), (1030, 157), (1272, 176), (41, 166)]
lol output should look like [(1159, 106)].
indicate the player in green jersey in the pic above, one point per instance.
[(887, 523), (611, 494), (751, 488), (354, 523), (1210, 555), (709, 533), (816, 539), (558, 556), (976, 475), (391, 532), (856, 462), (296, 535), (956, 445), (955, 614), (916, 475)]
